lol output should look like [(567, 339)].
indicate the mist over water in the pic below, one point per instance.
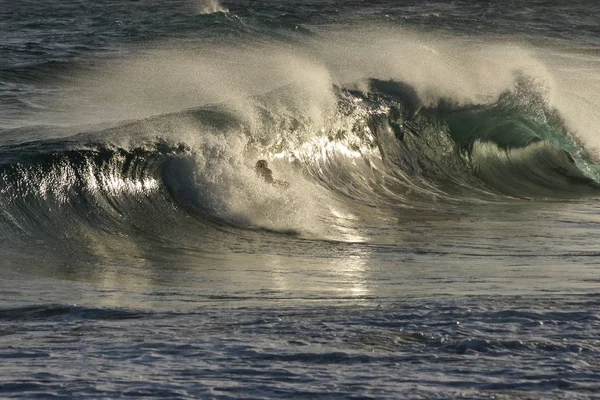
[(434, 235)]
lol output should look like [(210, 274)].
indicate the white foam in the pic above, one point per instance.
[(173, 77), (209, 6)]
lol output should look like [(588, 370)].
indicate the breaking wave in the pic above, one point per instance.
[(381, 146)]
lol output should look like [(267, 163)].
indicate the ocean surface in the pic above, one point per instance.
[(439, 236)]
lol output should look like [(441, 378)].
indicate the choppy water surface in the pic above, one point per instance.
[(438, 237)]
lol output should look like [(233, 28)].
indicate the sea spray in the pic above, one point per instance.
[(209, 7)]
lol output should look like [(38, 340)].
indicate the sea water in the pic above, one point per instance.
[(439, 237)]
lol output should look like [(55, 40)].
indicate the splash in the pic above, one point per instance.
[(210, 7), (174, 76)]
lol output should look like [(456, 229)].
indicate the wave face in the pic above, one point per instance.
[(380, 146)]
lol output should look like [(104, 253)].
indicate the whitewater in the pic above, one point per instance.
[(437, 238)]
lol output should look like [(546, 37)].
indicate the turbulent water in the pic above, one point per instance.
[(438, 236)]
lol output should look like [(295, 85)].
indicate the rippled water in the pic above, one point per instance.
[(474, 348)]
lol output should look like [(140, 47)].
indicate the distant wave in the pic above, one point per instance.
[(209, 6)]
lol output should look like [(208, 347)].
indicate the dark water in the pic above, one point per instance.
[(438, 236)]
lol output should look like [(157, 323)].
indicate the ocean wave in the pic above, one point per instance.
[(381, 146)]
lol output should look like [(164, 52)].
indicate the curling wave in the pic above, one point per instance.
[(381, 146)]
